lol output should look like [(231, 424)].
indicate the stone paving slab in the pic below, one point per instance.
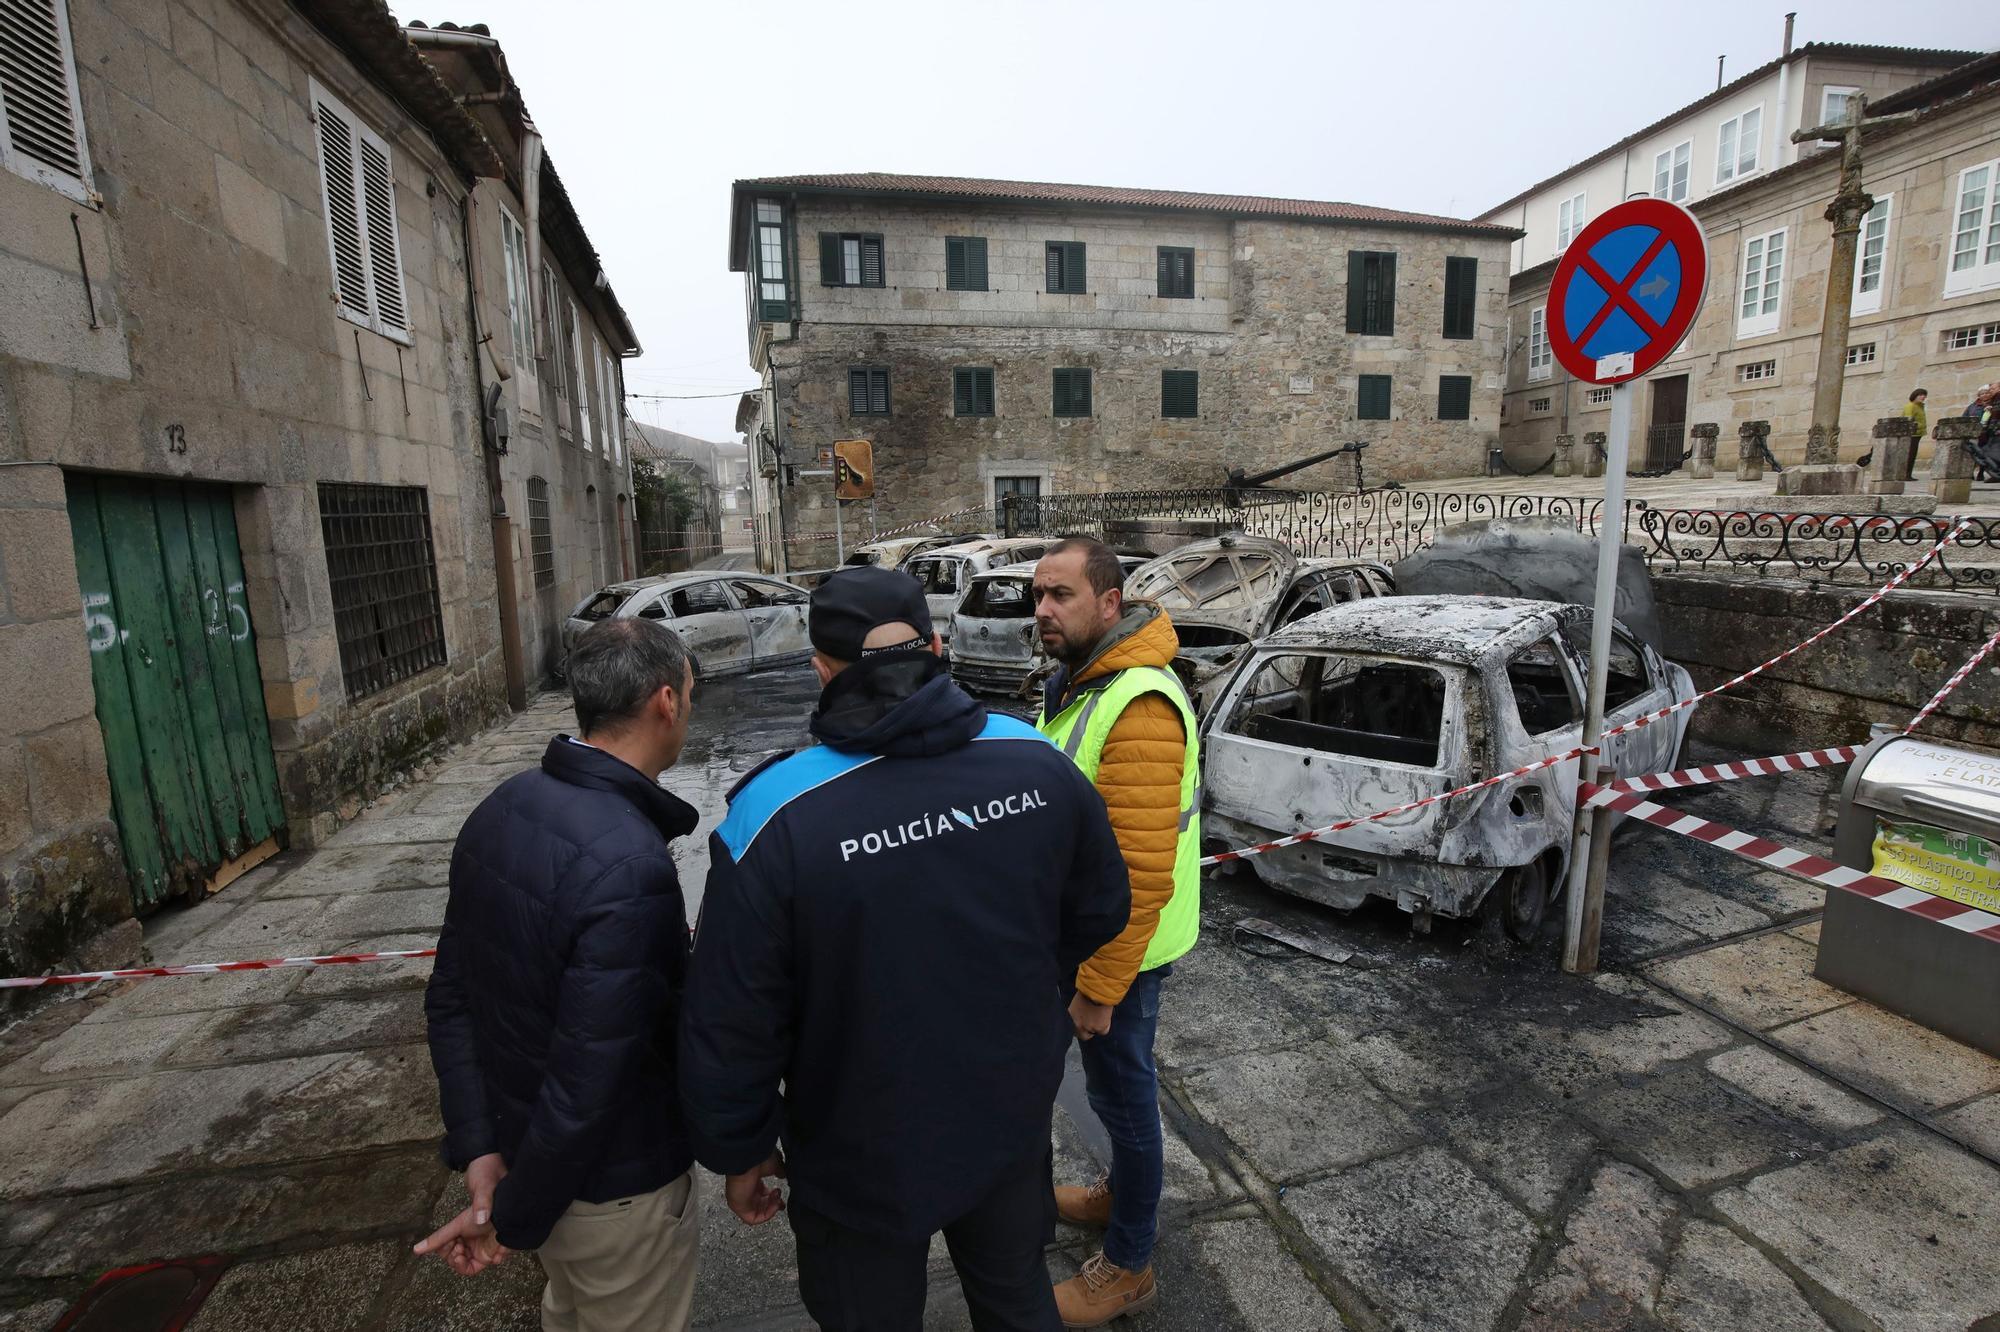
[(1793, 1091), (365, 869), (304, 1292), (1903, 1228), (398, 828), (1761, 982), (1612, 1257), (1633, 934), (1619, 1027), (1422, 1236), (1298, 1112), (192, 994), (104, 1049), (306, 1026), (371, 977), (287, 927), (1977, 1125), (88, 1136), (1697, 1130), (1710, 915), (1519, 1139), (1210, 984), (1717, 1281), (1891, 1056)]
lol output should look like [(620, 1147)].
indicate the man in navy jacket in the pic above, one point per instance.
[(892, 924), (554, 1000)]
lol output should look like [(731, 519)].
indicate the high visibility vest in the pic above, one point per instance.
[(1081, 729)]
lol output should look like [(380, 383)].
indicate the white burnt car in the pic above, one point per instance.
[(1225, 593), (947, 572), (1383, 702), (731, 623)]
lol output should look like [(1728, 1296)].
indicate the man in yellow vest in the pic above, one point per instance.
[(1118, 710)]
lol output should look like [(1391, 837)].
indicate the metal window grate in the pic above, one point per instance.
[(541, 537), (383, 571)]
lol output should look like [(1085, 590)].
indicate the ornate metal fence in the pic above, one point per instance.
[(1387, 525)]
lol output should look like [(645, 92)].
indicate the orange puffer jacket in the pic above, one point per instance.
[(1139, 777)]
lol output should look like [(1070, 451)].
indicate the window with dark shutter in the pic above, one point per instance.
[(1176, 271), (1371, 403), (965, 263), (1072, 391), (850, 259), (868, 391), (1180, 393), (1371, 292), (1065, 267), (359, 184), (38, 97), (1454, 397), (1461, 283), (972, 392)]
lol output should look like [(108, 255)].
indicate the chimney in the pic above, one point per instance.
[(1789, 20), (1718, 71)]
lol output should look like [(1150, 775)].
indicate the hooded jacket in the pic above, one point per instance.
[(1139, 777), (891, 923), (553, 999)]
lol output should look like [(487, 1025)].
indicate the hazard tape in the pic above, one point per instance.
[(210, 968), (1315, 834), (1737, 770), (1964, 673), (1818, 869)]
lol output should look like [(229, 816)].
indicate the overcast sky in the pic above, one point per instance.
[(651, 109)]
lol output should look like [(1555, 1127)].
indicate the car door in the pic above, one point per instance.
[(777, 616), (714, 630), (1544, 690), (943, 577), (1634, 685)]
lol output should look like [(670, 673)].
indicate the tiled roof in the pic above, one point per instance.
[(1887, 55), (1110, 196)]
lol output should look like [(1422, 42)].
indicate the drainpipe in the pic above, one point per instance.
[(531, 204), (496, 495), (1781, 124)]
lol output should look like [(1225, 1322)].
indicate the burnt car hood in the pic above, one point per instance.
[(1538, 559)]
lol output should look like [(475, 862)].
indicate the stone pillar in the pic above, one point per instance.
[(1895, 445), (1565, 446), (1750, 439), (1822, 446), (1823, 472), (1951, 466), (1593, 452), (1702, 466)]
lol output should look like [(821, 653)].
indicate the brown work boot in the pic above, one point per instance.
[(1103, 1291), (1085, 1206)]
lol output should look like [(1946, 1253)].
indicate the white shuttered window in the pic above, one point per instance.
[(355, 172), (41, 119)]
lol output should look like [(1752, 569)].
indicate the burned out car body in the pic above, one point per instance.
[(948, 571), (898, 551), (731, 622), (995, 647), (1224, 594), (1381, 703)]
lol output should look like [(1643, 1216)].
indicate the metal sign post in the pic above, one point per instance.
[(1622, 297), (839, 537)]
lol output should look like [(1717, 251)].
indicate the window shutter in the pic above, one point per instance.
[(975, 263), (343, 211), (37, 89), (1055, 266), (1454, 397), (871, 261), (878, 392), (1073, 278), (954, 264), (1061, 393), (1357, 282), (1079, 393), (829, 259), (1372, 401), (1166, 274), (1461, 281), (857, 392), (983, 392), (961, 393), (1180, 393), (385, 266), (1385, 294)]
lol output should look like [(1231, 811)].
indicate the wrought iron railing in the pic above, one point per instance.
[(1387, 525)]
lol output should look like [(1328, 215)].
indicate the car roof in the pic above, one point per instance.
[(1024, 569), (985, 545), (633, 587), (1465, 630)]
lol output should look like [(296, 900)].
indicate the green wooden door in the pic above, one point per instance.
[(174, 663)]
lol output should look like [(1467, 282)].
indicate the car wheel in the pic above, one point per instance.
[(1524, 899)]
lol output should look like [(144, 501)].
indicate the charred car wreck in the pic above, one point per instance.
[(1382, 702)]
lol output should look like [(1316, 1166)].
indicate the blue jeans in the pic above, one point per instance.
[(1124, 1090)]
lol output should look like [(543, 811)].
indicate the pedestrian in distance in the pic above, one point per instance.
[(553, 1004), (892, 921), (1914, 409), (1985, 451), (1117, 709)]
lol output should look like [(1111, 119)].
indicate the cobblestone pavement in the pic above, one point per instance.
[(1443, 1133)]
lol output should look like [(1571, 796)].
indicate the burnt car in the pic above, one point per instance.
[(731, 623), (1383, 702), (1225, 593), (994, 645), (898, 551), (947, 572)]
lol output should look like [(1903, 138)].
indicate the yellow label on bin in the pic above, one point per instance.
[(1963, 867)]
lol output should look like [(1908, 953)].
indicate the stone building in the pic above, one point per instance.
[(554, 336), (246, 536), (995, 337), (1926, 297)]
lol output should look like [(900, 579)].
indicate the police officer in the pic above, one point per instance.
[(892, 923)]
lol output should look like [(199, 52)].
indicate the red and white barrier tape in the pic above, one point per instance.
[(1737, 769), (1764, 851), (210, 968), (1314, 834)]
